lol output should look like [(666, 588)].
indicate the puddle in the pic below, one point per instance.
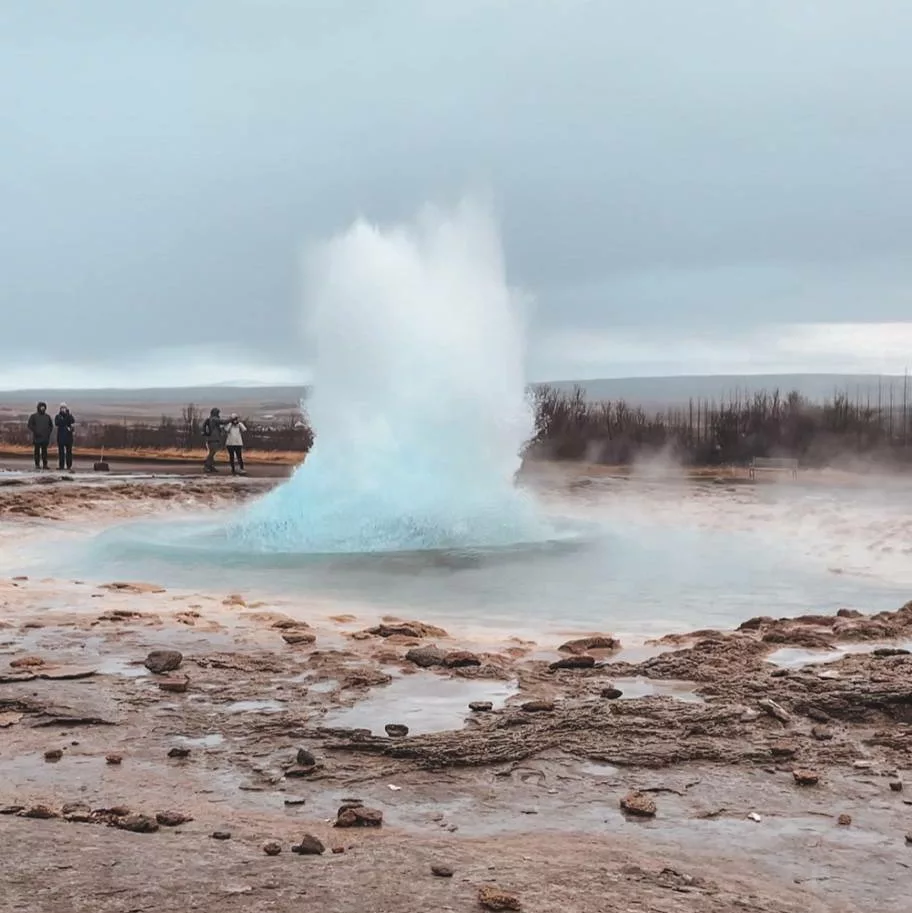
[(424, 703), (795, 657), (264, 706), (644, 687), (112, 666), (207, 741)]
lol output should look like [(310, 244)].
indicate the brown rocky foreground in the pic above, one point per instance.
[(167, 751)]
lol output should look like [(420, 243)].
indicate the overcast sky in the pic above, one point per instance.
[(684, 187)]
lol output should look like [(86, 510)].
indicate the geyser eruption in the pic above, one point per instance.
[(419, 403)]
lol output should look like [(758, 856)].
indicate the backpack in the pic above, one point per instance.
[(207, 428)]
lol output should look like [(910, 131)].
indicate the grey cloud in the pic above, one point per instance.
[(661, 162)]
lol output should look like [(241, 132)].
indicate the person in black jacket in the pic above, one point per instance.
[(64, 421), (41, 426)]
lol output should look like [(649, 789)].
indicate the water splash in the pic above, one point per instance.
[(419, 404)]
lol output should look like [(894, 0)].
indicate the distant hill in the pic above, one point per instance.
[(267, 402)]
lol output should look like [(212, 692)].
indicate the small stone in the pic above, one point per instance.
[(55, 754), (396, 730), (442, 871), (338, 850), (114, 759), (806, 777), (537, 706), (272, 848), (172, 819), (309, 846), (774, 710), (27, 662), (612, 694), (174, 685), (42, 812), (406, 629), (779, 673), (294, 638), (305, 758), (137, 824), (221, 835), (822, 734), (844, 820), (578, 661), (909, 839), (783, 749), (460, 659), (159, 661), (292, 802), (78, 812), (426, 656), (481, 706), (818, 715), (359, 816), (179, 753), (493, 898), (638, 805), (896, 786)]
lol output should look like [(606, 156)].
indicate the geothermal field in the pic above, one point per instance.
[(419, 674)]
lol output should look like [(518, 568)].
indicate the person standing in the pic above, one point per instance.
[(64, 422), (41, 426), (234, 443), (213, 436)]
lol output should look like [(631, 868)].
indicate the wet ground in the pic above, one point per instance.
[(751, 744)]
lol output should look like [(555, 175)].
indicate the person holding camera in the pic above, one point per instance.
[(234, 442)]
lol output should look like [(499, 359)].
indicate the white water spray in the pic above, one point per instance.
[(419, 403)]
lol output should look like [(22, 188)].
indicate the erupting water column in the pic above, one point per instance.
[(419, 404)]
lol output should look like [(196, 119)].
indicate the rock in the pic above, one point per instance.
[(863, 765), (909, 839), (806, 777), (396, 730), (272, 848), (537, 706), (783, 749), (359, 816), (779, 673), (174, 685), (64, 673), (896, 786), (221, 835), (880, 652), (78, 812), (338, 850), (309, 846), (55, 754), (179, 753), (612, 694), (293, 638), (172, 819), (305, 758), (114, 759), (844, 820), (442, 871), (578, 661), (493, 898), (9, 718), (593, 642), (822, 734), (137, 824), (639, 805), (750, 716), (288, 624), (426, 657), (460, 659), (406, 629), (11, 809), (293, 801), (774, 710), (41, 812), (481, 706), (27, 662), (818, 716), (159, 661)]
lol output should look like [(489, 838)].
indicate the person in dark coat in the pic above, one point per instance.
[(214, 436), (64, 422), (41, 426)]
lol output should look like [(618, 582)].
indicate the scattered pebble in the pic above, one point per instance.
[(612, 694), (753, 816), (481, 706), (272, 848), (896, 786), (305, 758), (863, 765), (426, 656), (159, 661), (844, 820), (294, 638), (358, 816), (309, 846), (55, 754), (537, 706), (806, 777), (396, 730), (114, 759), (221, 835), (442, 871), (494, 898), (338, 850), (577, 661), (293, 801), (172, 819), (637, 804), (137, 824), (38, 811), (174, 685), (179, 753)]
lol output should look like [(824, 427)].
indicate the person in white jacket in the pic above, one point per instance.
[(234, 443)]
